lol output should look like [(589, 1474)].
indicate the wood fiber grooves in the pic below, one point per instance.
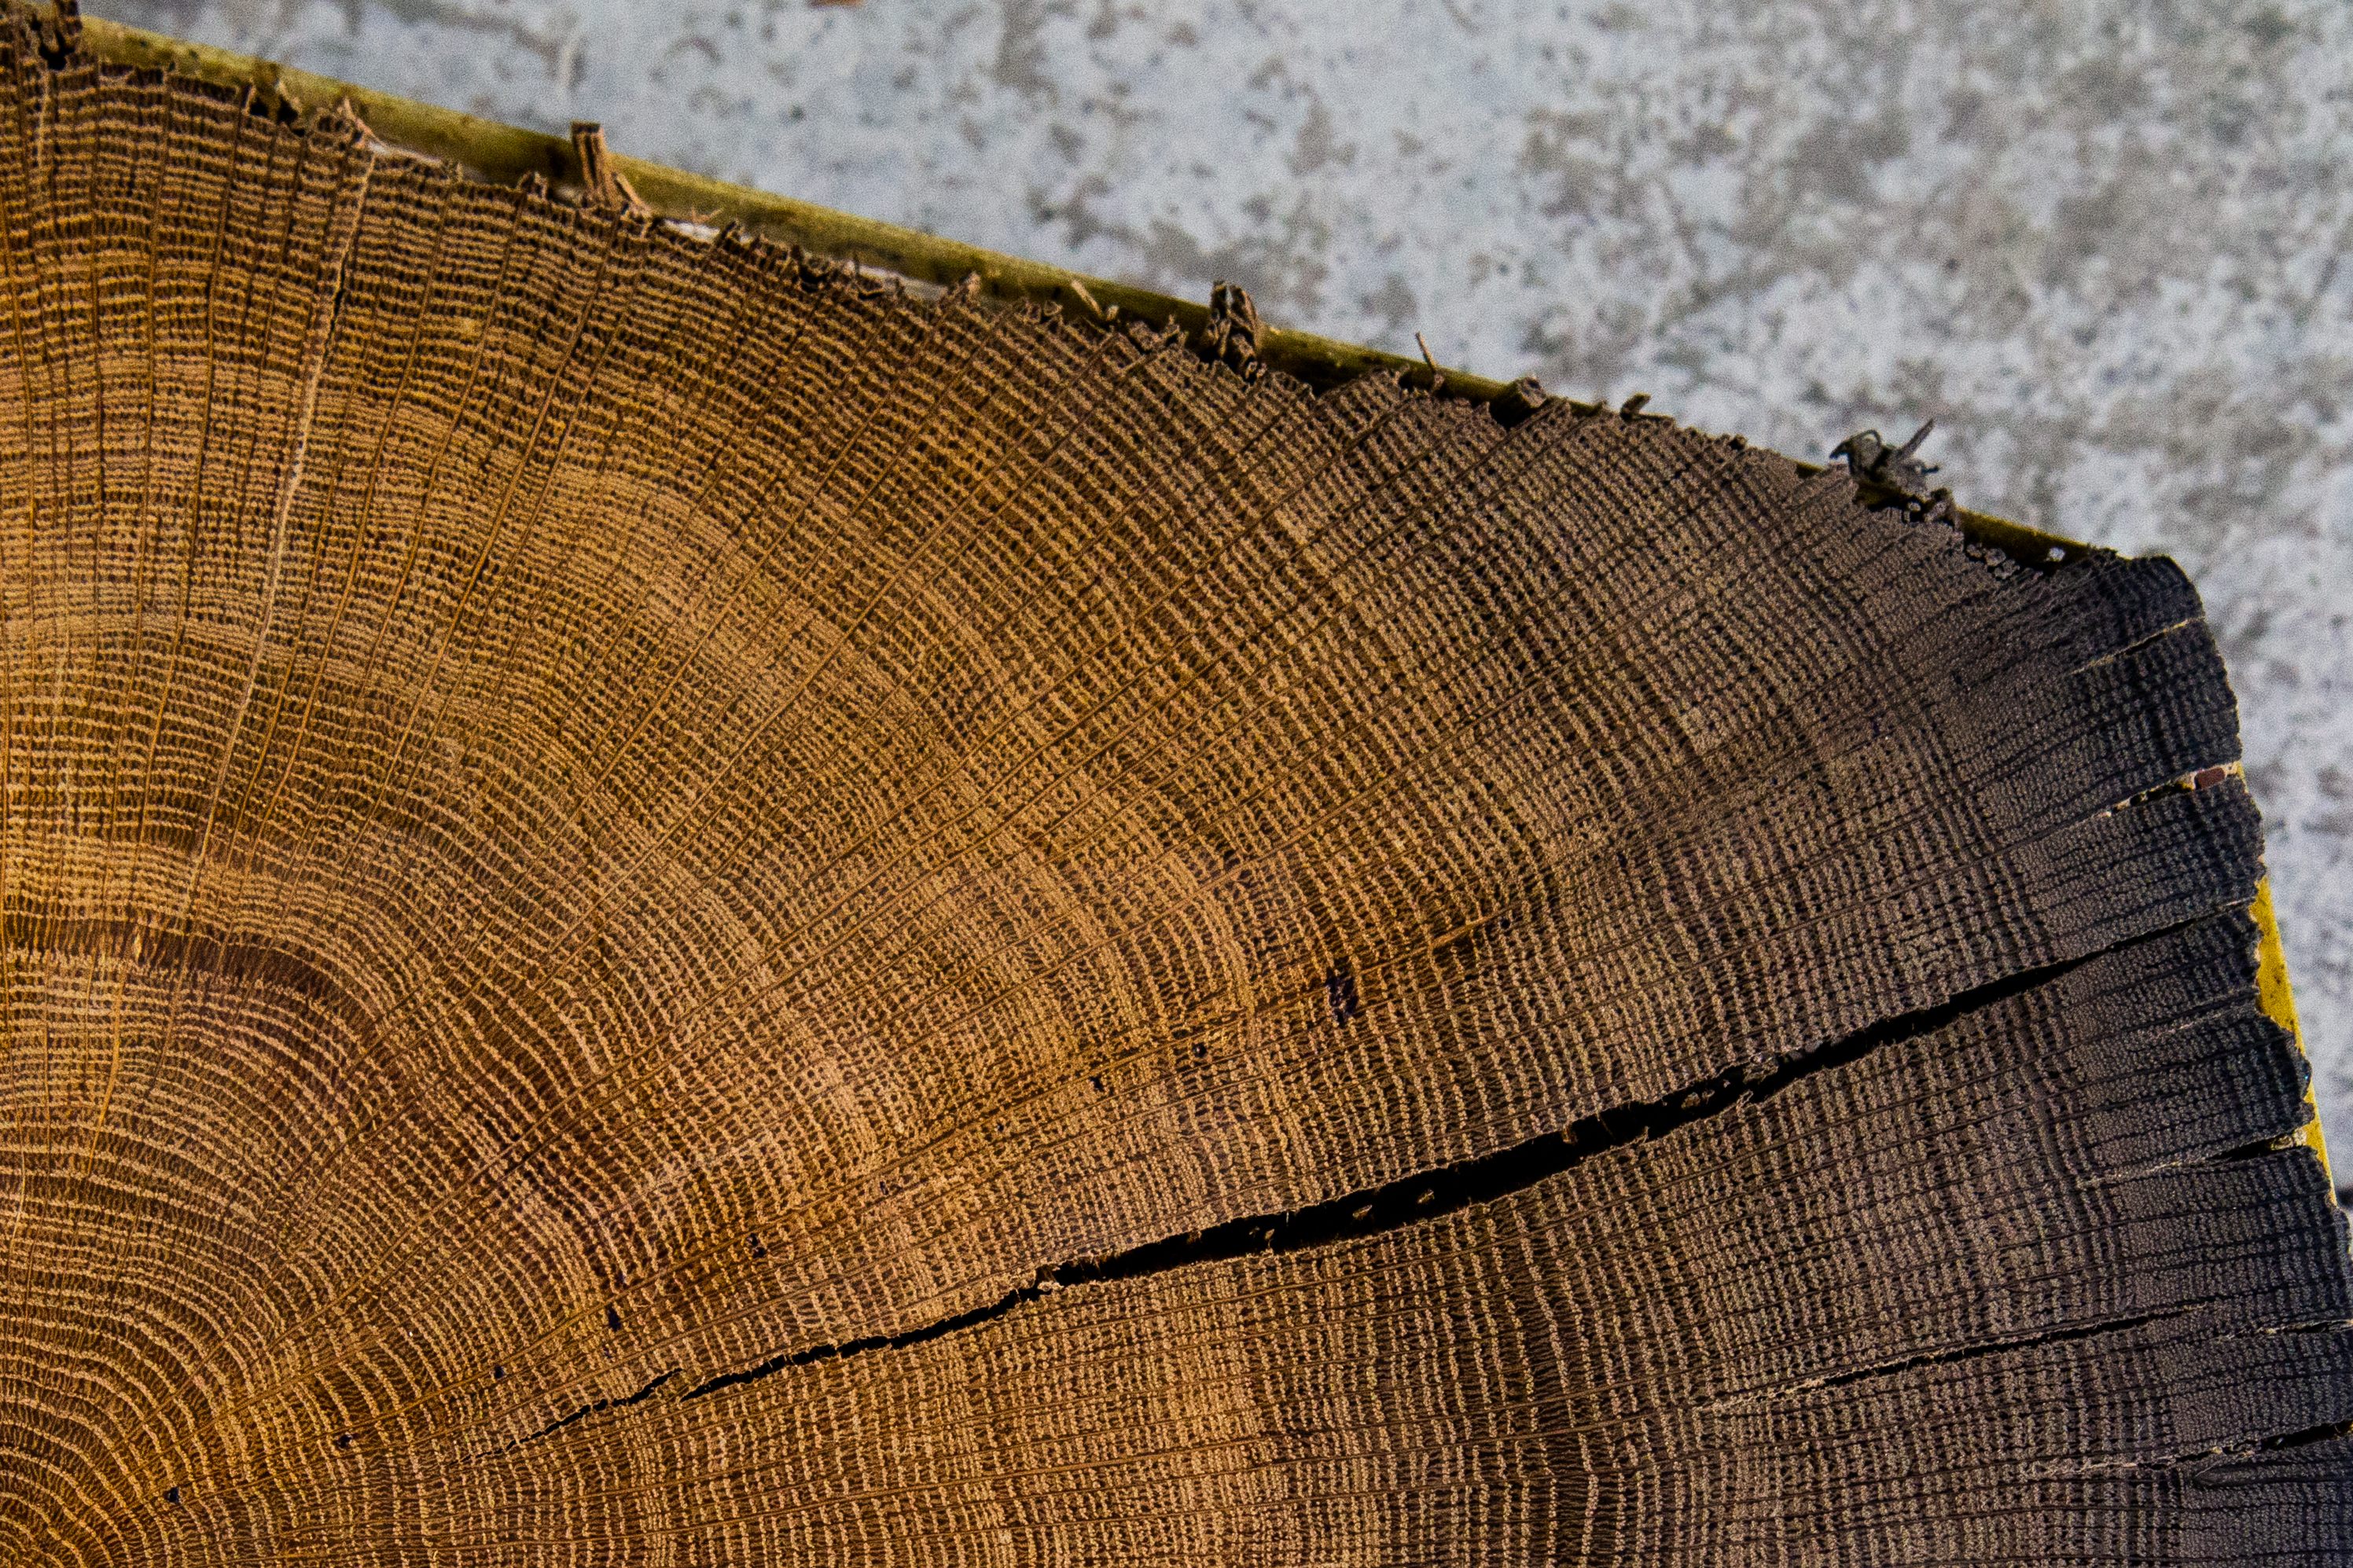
[(658, 905)]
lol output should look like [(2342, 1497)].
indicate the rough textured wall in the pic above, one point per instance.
[(2097, 243)]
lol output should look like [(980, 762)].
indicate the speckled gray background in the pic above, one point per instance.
[(2098, 243)]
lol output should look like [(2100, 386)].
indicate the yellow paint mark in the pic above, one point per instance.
[(2278, 1004)]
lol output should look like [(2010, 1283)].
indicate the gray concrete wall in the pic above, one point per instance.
[(2098, 243)]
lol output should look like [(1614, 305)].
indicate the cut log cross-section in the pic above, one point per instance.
[(665, 904)]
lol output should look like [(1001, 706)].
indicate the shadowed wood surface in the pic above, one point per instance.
[(660, 905)]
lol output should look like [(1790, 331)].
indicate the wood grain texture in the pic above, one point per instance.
[(661, 905)]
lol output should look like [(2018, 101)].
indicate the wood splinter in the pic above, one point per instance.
[(602, 184)]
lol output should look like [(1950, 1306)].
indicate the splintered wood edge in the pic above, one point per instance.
[(504, 154)]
